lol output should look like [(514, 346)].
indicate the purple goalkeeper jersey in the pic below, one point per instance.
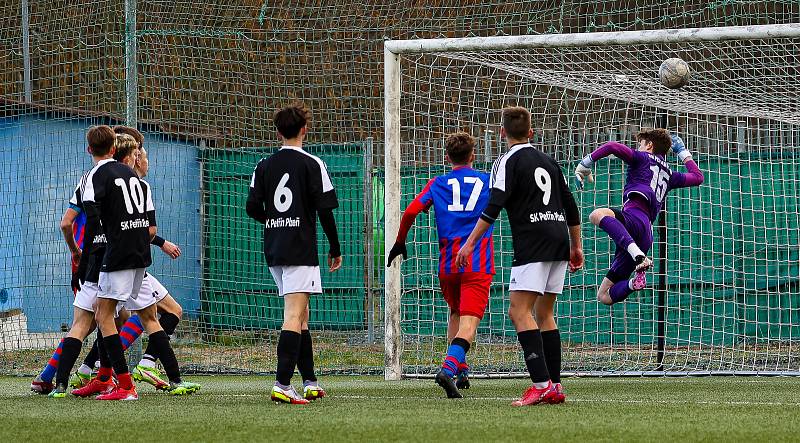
[(649, 176)]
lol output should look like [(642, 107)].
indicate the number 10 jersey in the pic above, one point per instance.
[(292, 185)]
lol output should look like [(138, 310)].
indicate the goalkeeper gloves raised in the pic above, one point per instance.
[(583, 171), (679, 148)]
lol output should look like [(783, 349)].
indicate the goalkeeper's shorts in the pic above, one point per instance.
[(466, 293)]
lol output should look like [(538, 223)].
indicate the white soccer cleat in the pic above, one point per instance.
[(289, 396), (643, 263)]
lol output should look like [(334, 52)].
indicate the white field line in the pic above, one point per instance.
[(569, 400)]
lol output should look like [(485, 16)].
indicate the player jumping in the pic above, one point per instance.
[(288, 190), (546, 234), (458, 197), (648, 180)]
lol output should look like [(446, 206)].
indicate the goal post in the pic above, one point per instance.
[(730, 302)]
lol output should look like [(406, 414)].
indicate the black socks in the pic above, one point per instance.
[(288, 353)]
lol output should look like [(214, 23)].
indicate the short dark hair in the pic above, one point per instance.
[(133, 132), (100, 139), (659, 137), (460, 147), (291, 119), (517, 122), (126, 144)]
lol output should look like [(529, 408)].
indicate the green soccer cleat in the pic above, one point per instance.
[(60, 391), (183, 388), (78, 380), (151, 376)]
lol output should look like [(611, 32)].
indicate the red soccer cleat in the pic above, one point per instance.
[(95, 386), (556, 396), (120, 394), (41, 387), (534, 396)]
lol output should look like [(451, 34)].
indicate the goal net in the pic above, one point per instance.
[(725, 294)]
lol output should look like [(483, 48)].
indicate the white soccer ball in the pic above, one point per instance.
[(674, 73)]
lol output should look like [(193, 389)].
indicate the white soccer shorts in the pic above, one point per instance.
[(291, 279), (121, 285), (541, 277), (87, 296), (150, 292)]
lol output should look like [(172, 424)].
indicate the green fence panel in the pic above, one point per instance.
[(238, 290)]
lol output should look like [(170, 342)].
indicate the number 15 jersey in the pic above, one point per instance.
[(292, 185)]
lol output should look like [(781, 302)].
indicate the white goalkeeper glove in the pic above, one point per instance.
[(583, 171), (679, 148)]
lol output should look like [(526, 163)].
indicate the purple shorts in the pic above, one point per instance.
[(641, 230)]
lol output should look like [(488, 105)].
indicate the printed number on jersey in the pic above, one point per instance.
[(283, 195), (132, 193), (457, 206), (660, 182), (542, 179)]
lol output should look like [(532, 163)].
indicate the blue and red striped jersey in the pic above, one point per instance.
[(458, 199)]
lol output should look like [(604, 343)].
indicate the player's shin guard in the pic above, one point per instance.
[(50, 369), (620, 291), (305, 359), (160, 342), (616, 230), (551, 343), (113, 346), (69, 354), (168, 323), (288, 352), (533, 351), (456, 356)]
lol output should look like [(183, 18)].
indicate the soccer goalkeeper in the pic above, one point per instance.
[(648, 181), (458, 198)]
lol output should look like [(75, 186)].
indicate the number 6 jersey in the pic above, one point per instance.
[(120, 206), (286, 191)]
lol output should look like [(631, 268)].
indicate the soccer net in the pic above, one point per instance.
[(725, 295)]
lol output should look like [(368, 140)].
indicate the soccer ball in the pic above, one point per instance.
[(674, 73)]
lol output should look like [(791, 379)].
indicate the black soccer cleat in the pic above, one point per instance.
[(462, 380), (447, 383)]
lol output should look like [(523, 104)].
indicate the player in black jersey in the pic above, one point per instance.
[(114, 196), (288, 190), (545, 231)]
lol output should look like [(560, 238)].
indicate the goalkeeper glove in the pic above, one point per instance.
[(679, 148), (584, 171), (397, 249)]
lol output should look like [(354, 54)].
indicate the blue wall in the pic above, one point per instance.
[(42, 159)]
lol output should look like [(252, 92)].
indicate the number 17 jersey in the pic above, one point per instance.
[(458, 199), (292, 185)]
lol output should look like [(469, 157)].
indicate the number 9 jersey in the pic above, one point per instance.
[(286, 191)]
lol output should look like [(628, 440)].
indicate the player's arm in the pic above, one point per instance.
[(573, 215), (169, 248), (70, 214), (694, 176), (255, 198), (150, 212), (421, 203), (583, 171), (90, 232), (325, 201)]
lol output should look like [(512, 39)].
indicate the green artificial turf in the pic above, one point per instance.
[(237, 408)]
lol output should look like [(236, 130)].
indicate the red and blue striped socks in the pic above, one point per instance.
[(456, 356)]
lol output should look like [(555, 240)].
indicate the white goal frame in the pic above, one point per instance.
[(393, 341)]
